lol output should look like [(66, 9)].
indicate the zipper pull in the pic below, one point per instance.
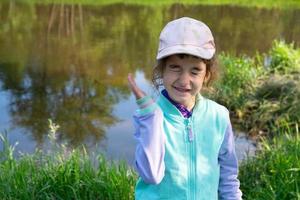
[(190, 133)]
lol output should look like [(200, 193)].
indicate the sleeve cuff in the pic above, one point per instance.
[(142, 102), (147, 110), (146, 105)]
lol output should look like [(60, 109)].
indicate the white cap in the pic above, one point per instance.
[(186, 36)]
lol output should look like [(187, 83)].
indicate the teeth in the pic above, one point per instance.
[(182, 89)]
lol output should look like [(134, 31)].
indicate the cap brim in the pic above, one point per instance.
[(205, 53)]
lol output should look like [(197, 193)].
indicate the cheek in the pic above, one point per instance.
[(166, 82), (167, 78), (199, 83)]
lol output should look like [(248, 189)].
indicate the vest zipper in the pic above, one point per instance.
[(190, 131), (191, 152)]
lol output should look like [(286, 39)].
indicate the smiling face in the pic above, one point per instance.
[(183, 78)]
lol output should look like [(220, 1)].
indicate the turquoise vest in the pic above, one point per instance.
[(192, 169)]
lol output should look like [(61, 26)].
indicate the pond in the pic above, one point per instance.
[(69, 63)]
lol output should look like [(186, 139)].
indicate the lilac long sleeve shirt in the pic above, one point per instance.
[(149, 153)]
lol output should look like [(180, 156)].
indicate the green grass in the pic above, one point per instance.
[(262, 92), (274, 173), (253, 3), (284, 58), (63, 174), (239, 77)]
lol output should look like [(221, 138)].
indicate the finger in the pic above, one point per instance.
[(131, 81), (133, 85), (135, 89)]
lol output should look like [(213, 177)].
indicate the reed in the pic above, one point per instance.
[(63, 174)]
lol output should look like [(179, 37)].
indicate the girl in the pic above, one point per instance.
[(185, 144)]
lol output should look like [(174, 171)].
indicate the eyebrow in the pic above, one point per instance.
[(174, 65), (196, 68)]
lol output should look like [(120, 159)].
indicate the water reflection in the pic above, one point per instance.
[(70, 62), (80, 105)]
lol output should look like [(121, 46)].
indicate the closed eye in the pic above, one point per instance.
[(196, 71), (174, 68)]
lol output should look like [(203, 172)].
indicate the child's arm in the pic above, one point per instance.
[(150, 149), (229, 183)]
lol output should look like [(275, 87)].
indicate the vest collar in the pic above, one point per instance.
[(171, 109)]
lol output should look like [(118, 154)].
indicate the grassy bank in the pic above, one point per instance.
[(274, 173), (254, 3), (262, 92), (63, 174)]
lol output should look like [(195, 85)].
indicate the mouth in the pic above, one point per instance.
[(182, 90)]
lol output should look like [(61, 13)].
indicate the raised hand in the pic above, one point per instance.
[(138, 93)]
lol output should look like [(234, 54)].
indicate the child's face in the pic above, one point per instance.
[(183, 78)]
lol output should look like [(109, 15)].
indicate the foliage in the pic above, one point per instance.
[(276, 101), (62, 174), (262, 95), (274, 173), (238, 80), (284, 58), (277, 96)]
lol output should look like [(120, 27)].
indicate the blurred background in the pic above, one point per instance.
[(68, 62)]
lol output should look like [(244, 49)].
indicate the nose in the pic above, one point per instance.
[(183, 79)]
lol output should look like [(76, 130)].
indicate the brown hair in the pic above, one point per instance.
[(211, 71)]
